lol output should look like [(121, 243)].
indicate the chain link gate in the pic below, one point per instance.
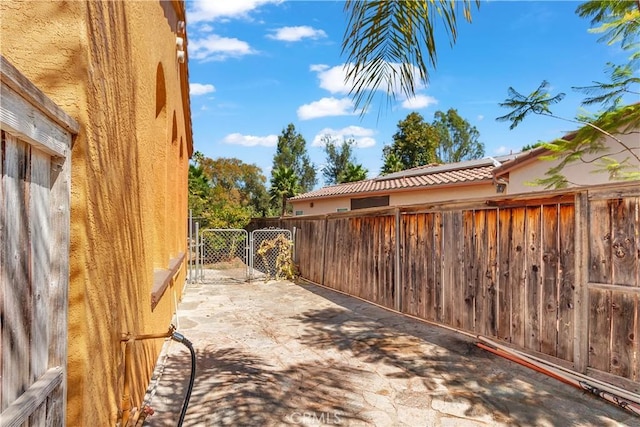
[(234, 254), (223, 253)]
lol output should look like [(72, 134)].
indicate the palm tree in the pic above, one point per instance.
[(388, 42), (284, 184), (353, 173)]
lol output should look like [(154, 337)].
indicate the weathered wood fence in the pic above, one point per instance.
[(34, 252), (556, 275)]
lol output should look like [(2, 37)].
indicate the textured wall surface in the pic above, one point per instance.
[(112, 66)]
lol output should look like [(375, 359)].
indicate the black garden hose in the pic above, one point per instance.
[(181, 339)]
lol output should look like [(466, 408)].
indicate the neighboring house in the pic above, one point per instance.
[(424, 184), (119, 70), (520, 173), (510, 174)]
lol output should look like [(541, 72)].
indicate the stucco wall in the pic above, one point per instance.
[(321, 206), (329, 205), (579, 173), (99, 62), (454, 193)]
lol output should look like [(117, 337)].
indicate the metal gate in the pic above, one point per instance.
[(233, 254)]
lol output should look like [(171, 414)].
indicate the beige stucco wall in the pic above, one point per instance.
[(99, 61), (321, 206), (453, 193), (579, 173), (400, 198)]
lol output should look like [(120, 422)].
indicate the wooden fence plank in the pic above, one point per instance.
[(389, 238), (479, 260), (449, 255), (549, 281), (17, 414), (429, 302), (365, 261), (599, 329), (358, 253), (490, 279), (423, 256), (407, 256), (625, 245), (468, 271), (40, 241), (16, 289), (517, 275), (457, 284), (567, 282), (534, 272), (438, 266), (623, 319), (504, 280), (600, 241)]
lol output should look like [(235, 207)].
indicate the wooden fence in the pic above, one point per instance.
[(34, 252), (556, 275)]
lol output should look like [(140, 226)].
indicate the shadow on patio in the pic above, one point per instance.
[(235, 388), (450, 366)]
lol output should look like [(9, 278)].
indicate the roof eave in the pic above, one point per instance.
[(397, 190)]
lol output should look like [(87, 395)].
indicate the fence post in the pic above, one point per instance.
[(581, 290), (190, 246), (198, 251), (396, 278), (251, 254)]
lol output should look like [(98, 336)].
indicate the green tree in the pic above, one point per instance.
[(528, 147), (414, 144), (620, 22), (237, 182), (353, 173), (392, 162), (284, 184), (291, 152), (200, 194), (226, 193), (385, 41), (458, 140), (341, 164)]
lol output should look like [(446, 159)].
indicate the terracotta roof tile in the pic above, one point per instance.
[(424, 176)]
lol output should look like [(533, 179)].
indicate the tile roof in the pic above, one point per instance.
[(420, 177)]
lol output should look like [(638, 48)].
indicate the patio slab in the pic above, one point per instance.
[(279, 353)]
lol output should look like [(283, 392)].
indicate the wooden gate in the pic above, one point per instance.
[(34, 252)]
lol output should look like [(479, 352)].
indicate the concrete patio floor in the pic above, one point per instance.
[(278, 353)]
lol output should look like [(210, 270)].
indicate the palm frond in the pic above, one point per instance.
[(390, 45)]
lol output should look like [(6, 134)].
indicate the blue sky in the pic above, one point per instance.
[(257, 65)]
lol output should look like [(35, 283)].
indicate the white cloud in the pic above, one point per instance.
[(419, 101), (480, 117), (502, 150), (217, 48), (205, 28), (196, 89), (333, 79), (318, 67), (250, 140), (294, 34), (363, 137), (211, 10), (326, 107)]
